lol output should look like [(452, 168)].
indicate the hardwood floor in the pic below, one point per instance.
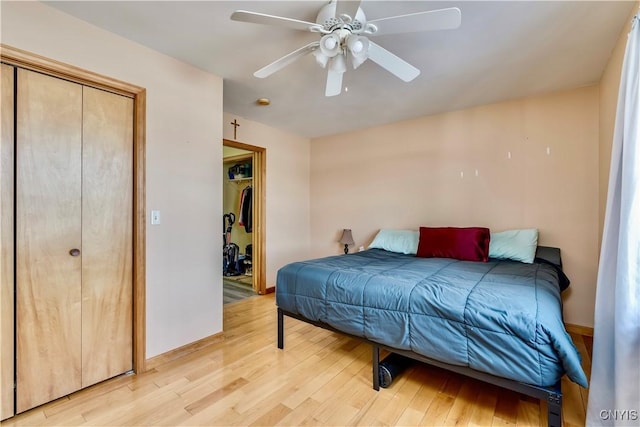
[(320, 378), (237, 288)]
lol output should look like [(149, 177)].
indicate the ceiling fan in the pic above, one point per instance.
[(344, 32)]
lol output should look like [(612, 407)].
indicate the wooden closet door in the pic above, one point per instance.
[(107, 245), (6, 243), (48, 227)]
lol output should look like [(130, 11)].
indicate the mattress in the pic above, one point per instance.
[(500, 317)]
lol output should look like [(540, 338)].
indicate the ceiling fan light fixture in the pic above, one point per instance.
[(321, 58), (357, 45), (359, 48), (330, 45), (357, 61)]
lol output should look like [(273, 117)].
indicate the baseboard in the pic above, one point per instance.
[(270, 290), (182, 351), (577, 329)]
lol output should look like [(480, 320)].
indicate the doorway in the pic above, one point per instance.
[(243, 220)]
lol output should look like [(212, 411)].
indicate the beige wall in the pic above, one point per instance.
[(609, 85), (454, 170), (287, 190), (184, 158)]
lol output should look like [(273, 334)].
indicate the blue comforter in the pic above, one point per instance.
[(501, 317)]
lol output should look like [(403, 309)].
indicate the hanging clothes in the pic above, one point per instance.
[(245, 210)]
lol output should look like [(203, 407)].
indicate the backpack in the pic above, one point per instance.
[(231, 264)]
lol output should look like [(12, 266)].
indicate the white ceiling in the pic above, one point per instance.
[(502, 50)]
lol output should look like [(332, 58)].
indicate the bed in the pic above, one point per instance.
[(498, 321)]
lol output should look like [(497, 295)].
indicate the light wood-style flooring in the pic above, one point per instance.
[(320, 378), (237, 288)]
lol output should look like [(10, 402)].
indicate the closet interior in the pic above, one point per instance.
[(238, 224)]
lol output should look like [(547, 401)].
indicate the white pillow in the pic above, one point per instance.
[(400, 241), (519, 245)]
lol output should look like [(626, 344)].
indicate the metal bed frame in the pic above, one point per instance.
[(552, 395)]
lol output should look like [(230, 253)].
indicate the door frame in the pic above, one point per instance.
[(27, 60), (258, 257), (7, 242)]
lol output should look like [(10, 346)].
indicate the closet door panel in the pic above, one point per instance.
[(107, 245), (6, 242), (48, 220)]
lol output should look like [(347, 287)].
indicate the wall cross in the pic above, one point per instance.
[(235, 125)]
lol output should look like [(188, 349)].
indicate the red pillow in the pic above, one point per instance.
[(463, 243)]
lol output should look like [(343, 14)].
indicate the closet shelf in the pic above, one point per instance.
[(241, 179)]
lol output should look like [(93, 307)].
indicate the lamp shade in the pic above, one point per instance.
[(321, 58), (347, 238), (359, 49), (330, 45)]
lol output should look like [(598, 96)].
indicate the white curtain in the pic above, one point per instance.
[(614, 393)]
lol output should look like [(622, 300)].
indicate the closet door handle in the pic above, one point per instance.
[(74, 252)]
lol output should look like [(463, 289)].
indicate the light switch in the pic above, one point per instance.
[(155, 217)]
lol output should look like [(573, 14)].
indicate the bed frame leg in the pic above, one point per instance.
[(554, 409), (376, 367), (280, 329)]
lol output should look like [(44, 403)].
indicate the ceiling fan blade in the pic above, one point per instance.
[(279, 64), (334, 83), (347, 7), (261, 18), (390, 62), (441, 19)]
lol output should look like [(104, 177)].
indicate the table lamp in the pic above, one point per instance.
[(346, 239)]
